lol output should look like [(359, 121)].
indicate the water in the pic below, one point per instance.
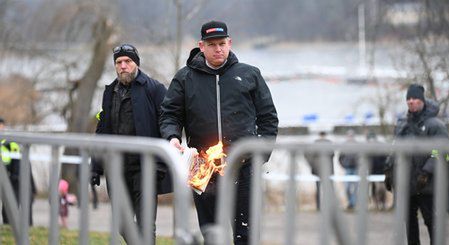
[(328, 99), (315, 101)]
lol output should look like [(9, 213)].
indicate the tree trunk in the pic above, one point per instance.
[(79, 117), (80, 108)]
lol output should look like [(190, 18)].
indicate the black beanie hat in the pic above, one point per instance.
[(127, 50), (415, 91)]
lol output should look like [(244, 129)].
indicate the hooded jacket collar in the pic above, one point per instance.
[(197, 61), (430, 109), (414, 120)]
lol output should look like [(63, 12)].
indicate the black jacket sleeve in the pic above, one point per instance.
[(172, 117), (437, 130), (266, 115), (158, 94), (96, 162)]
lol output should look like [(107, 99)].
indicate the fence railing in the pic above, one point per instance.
[(110, 148), (332, 219)]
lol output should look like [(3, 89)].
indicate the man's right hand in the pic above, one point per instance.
[(175, 142), (95, 179)]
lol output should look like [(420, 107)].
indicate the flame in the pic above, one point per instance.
[(205, 165)]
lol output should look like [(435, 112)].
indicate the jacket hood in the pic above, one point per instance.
[(197, 61), (431, 109)]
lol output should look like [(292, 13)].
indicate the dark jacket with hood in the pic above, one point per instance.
[(247, 108), (420, 125), (146, 97)]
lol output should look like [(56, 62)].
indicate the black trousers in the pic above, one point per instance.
[(16, 194), (133, 184), (424, 203), (206, 205)]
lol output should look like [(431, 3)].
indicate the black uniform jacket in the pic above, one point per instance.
[(419, 126)]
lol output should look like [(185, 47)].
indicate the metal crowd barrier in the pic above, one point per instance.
[(332, 219), (110, 147)]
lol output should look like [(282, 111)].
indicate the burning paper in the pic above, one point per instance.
[(204, 165)]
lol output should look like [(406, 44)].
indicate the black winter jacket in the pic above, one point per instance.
[(247, 108), (146, 97), (416, 126)]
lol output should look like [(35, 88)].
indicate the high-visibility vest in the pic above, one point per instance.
[(97, 116), (435, 154), (4, 151)]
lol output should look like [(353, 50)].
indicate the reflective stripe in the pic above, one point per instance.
[(98, 115), (13, 148), (435, 154), (6, 159)]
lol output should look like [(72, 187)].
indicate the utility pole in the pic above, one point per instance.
[(362, 39)]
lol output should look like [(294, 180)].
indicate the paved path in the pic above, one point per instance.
[(99, 219), (380, 224)]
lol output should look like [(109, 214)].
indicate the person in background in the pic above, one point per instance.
[(349, 163), (215, 98), (131, 106), (94, 196), (421, 122), (313, 160), (12, 165), (64, 202), (377, 165)]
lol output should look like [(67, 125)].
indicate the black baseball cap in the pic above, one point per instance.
[(214, 29)]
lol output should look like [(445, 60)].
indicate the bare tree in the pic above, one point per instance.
[(183, 15), (385, 99), (18, 109), (94, 17), (430, 49), (87, 84)]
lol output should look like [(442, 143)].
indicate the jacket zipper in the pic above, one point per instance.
[(220, 135)]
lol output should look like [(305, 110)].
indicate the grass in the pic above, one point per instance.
[(39, 235)]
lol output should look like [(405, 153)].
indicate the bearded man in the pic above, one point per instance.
[(131, 106)]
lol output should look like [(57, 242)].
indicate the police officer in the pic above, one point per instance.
[(421, 122), (13, 170)]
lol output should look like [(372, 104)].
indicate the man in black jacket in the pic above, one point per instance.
[(421, 122), (131, 106), (215, 98)]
